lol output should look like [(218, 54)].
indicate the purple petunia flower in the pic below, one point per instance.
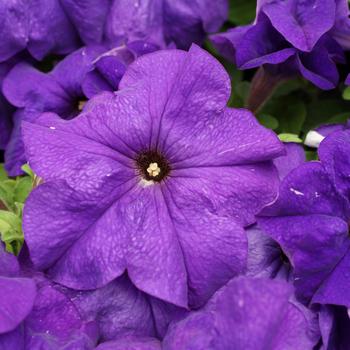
[(64, 90), (110, 66), (120, 310), (341, 29), (294, 157), (289, 37), (158, 179), (159, 22), (265, 257), (347, 81), (334, 324), (310, 221), (131, 343), (6, 109), (35, 315), (247, 314), (17, 294), (34, 92), (40, 26)]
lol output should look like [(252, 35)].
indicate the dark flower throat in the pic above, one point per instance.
[(148, 160)]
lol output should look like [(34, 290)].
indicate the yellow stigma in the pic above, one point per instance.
[(81, 105), (153, 169)]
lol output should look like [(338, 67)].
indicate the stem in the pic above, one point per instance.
[(263, 85)]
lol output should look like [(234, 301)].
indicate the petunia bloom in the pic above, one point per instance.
[(6, 109), (40, 26), (17, 294), (247, 314), (158, 22), (35, 315), (289, 37), (131, 343), (265, 257), (120, 310), (34, 92), (334, 326), (310, 221), (158, 179), (109, 67)]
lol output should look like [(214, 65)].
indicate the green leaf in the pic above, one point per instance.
[(7, 193), (11, 231), (3, 173), (293, 118), (22, 189), (321, 111), (287, 87), (311, 155), (339, 118), (27, 169), (346, 93), (242, 11), (289, 138), (268, 121)]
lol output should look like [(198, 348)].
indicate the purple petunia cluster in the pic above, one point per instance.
[(142, 207)]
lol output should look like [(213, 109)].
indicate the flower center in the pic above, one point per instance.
[(152, 166)]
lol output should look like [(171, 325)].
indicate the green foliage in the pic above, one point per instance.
[(346, 93), (290, 138), (242, 11), (289, 111), (269, 121), (13, 193)]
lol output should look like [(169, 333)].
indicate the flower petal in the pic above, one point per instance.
[(26, 86), (70, 150), (50, 30), (262, 306), (318, 67), (230, 138), (16, 301), (214, 245), (72, 241), (299, 21), (334, 153), (131, 343), (239, 192), (88, 17), (118, 308), (13, 34), (196, 84), (155, 260), (262, 44)]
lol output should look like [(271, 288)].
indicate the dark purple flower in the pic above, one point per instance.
[(34, 92), (347, 81), (120, 310), (17, 294), (40, 26), (109, 67), (265, 257), (294, 156), (6, 109), (35, 315), (341, 29), (158, 22), (131, 343), (158, 179), (334, 326), (288, 37), (247, 314), (310, 221)]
